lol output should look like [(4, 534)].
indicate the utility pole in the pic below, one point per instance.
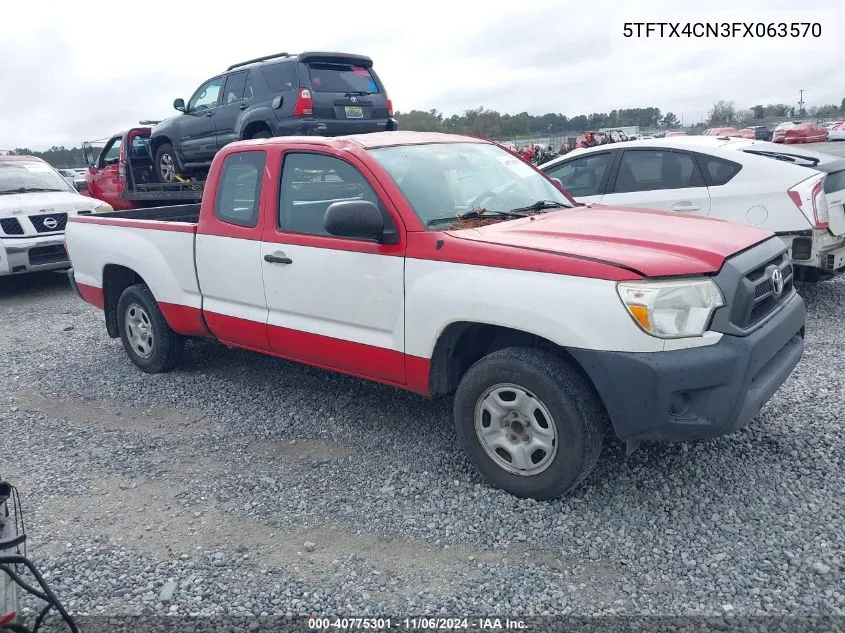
[(801, 103)]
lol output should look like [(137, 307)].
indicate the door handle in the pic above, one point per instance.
[(278, 258), (209, 114), (686, 207)]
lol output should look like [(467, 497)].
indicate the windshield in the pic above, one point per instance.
[(24, 176), (444, 181)]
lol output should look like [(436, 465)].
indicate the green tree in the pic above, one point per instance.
[(670, 120), (722, 112)]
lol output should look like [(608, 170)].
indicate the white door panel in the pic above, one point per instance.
[(691, 200), (229, 273), (341, 294)]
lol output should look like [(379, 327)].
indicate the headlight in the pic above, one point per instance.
[(105, 207), (671, 309)]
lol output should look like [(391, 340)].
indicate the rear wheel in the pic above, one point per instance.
[(529, 422), (166, 166), (147, 338), (260, 134)]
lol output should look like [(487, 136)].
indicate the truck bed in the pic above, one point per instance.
[(156, 243), (171, 213)]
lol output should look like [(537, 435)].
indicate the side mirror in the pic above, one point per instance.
[(558, 182), (179, 104), (359, 219)]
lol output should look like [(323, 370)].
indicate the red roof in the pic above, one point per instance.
[(377, 139)]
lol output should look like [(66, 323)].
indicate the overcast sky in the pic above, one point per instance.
[(74, 71)]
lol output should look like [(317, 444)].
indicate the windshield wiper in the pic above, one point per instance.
[(26, 190), (540, 205), (475, 215), (361, 93)]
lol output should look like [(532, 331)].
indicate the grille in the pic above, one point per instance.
[(760, 286), (41, 255), (11, 226), (38, 221)]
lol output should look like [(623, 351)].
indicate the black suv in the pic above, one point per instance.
[(316, 93)]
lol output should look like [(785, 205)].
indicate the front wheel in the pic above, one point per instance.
[(147, 338), (529, 422)]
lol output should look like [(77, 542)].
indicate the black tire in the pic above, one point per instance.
[(164, 345), (165, 153), (577, 414), (260, 134)]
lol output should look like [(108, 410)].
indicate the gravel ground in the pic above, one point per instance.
[(242, 484)]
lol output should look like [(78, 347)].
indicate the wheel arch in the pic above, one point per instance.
[(116, 279), (463, 343)]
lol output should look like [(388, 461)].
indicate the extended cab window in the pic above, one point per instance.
[(240, 188), (648, 170), (310, 183), (583, 176)]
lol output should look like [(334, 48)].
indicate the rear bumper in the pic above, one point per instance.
[(816, 249), (20, 255), (699, 392), (334, 127)]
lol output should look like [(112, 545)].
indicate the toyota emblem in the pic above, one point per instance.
[(777, 281), (50, 223), (353, 99)]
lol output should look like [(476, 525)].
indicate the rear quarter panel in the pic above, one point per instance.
[(163, 258), (758, 196)]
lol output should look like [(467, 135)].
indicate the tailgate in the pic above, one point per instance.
[(834, 189), (345, 95)]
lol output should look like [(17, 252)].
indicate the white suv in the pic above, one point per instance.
[(797, 194), (35, 201)]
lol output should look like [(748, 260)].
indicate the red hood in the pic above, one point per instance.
[(653, 243)]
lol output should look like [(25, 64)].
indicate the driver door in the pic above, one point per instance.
[(103, 179), (197, 127)]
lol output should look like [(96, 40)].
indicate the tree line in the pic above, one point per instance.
[(492, 124), (57, 156)]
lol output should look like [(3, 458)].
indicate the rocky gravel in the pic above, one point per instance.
[(244, 485)]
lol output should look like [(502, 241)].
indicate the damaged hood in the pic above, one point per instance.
[(652, 243)]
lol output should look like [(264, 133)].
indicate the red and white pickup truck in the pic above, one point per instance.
[(443, 265)]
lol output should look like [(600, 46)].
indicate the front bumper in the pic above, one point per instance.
[(698, 392), (32, 254)]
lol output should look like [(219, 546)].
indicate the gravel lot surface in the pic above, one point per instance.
[(243, 484), (247, 485)]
